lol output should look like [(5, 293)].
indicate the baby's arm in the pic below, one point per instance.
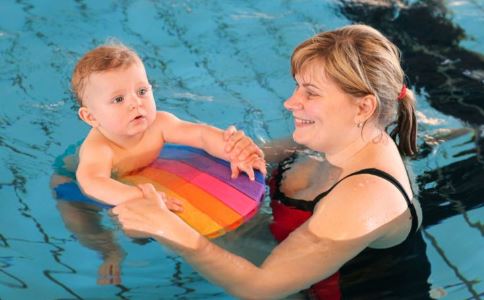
[(211, 139), (94, 175)]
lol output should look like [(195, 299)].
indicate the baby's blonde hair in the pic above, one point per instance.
[(111, 56), (364, 62)]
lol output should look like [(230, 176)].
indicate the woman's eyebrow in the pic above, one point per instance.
[(312, 86)]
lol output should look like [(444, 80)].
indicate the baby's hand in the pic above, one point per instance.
[(239, 146), (248, 166), (245, 155), (172, 203)]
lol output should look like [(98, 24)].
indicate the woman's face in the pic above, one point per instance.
[(324, 115)]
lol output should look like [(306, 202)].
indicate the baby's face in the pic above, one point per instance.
[(121, 101)]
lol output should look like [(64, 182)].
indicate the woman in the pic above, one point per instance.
[(328, 211)]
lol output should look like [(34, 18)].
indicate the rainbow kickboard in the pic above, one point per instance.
[(213, 203)]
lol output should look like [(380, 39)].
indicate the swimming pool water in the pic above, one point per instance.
[(224, 62)]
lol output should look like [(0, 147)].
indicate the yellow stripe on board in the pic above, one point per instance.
[(203, 201)]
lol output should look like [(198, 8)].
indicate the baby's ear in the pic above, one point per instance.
[(87, 117)]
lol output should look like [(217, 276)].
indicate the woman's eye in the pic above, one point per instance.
[(310, 93), (118, 99)]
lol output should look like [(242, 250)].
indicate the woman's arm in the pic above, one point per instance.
[(299, 261)]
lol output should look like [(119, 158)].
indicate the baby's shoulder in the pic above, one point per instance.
[(164, 116), (96, 144)]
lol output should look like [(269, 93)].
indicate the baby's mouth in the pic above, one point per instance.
[(138, 117)]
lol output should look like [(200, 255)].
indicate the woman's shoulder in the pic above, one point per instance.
[(359, 206)]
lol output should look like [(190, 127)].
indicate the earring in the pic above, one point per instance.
[(359, 125)]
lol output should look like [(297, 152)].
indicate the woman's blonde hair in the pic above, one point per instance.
[(110, 56), (364, 62)]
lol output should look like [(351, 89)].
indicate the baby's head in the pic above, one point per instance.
[(112, 89), (106, 57)]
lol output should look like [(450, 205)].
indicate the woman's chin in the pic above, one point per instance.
[(299, 139)]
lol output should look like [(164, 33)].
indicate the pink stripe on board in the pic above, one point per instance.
[(215, 167), (227, 194)]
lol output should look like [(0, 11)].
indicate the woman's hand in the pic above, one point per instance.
[(244, 154), (150, 217)]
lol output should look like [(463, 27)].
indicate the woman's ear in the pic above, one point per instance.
[(366, 108), (87, 117)]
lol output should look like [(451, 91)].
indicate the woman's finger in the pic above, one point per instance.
[(151, 194)]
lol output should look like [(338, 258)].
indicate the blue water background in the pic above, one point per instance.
[(219, 62)]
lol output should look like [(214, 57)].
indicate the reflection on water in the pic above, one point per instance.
[(233, 64)]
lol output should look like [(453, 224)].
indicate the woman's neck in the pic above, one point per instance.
[(348, 153)]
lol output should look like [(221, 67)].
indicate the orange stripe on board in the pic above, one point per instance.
[(190, 214), (203, 201)]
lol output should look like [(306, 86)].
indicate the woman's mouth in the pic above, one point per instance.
[(302, 122)]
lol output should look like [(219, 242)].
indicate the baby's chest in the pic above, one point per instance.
[(130, 161)]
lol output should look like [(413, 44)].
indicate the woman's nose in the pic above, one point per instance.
[(294, 102)]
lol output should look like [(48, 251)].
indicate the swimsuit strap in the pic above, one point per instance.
[(389, 178)]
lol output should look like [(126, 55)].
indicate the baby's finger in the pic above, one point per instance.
[(260, 165), (247, 168), (174, 205), (241, 145), (229, 131), (234, 171), (250, 173), (250, 149), (233, 140)]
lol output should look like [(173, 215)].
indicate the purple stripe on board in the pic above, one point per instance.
[(253, 189)]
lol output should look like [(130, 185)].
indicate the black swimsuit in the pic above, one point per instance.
[(309, 205), (398, 272)]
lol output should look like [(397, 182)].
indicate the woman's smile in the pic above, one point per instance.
[(299, 122)]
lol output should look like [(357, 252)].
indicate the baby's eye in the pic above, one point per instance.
[(143, 91), (118, 99)]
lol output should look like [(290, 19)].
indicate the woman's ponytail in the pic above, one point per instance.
[(405, 132)]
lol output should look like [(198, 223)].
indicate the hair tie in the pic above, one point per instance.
[(403, 92)]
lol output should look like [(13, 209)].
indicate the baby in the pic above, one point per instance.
[(116, 100)]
